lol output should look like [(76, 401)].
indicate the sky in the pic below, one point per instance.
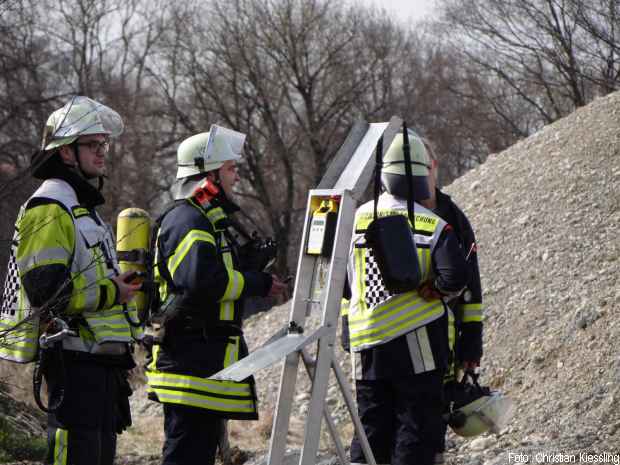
[(414, 9)]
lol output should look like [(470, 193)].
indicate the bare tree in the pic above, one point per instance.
[(539, 50)]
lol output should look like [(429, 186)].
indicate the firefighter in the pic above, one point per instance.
[(399, 342), (67, 277), (202, 289), (466, 311)]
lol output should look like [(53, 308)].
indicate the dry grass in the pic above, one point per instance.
[(145, 437)]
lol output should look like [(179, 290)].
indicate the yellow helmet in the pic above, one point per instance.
[(394, 158)]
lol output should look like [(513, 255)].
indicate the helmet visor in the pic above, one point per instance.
[(223, 144)]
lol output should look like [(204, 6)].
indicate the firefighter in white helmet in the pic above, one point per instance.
[(64, 281), (202, 284)]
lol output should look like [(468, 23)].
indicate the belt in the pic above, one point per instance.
[(77, 344), (190, 323)]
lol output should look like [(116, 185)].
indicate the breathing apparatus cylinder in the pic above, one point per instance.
[(133, 231)]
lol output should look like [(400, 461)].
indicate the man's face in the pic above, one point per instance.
[(91, 152), (228, 177)]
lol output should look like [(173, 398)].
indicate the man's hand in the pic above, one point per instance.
[(428, 292), (278, 287), (470, 365), (126, 290)]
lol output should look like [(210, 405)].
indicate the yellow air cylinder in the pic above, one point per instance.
[(133, 235)]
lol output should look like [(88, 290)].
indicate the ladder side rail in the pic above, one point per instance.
[(331, 425), (343, 156), (288, 376), (347, 394), (331, 312), (366, 175)]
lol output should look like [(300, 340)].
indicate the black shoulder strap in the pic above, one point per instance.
[(38, 201)]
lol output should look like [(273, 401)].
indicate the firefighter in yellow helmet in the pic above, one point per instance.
[(399, 341), (202, 286), (64, 282)]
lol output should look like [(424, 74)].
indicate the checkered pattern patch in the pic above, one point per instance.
[(8, 305), (375, 289)]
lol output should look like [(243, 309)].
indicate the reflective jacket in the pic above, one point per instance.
[(62, 258), (376, 317), (197, 262)]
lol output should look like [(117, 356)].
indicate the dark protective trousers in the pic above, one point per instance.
[(401, 417), (191, 435), (94, 408), (78, 446)]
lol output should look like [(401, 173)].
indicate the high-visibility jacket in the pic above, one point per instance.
[(376, 317), (55, 234), (195, 252)]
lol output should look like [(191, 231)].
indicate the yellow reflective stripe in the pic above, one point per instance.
[(185, 245), (472, 313), (424, 259), (397, 320), (110, 325), (78, 300), (360, 271), (86, 280), (201, 401), (215, 214), (377, 335), (451, 329), (392, 314), (226, 388), (110, 293), (232, 351), (61, 444), (227, 310), (49, 256), (234, 286), (137, 332), (344, 307), (113, 321), (396, 302), (152, 365), (423, 222)]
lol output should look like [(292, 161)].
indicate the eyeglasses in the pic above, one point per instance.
[(96, 146)]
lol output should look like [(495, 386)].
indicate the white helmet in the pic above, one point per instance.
[(488, 413), (208, 151), (80, 117)]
